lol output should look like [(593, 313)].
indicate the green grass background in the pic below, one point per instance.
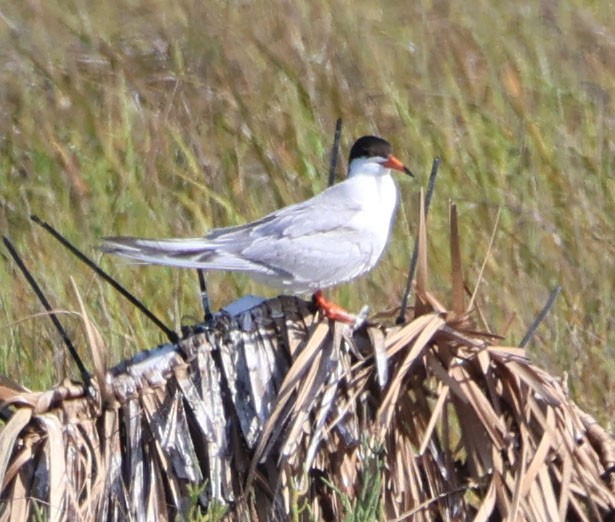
[(169, 117)]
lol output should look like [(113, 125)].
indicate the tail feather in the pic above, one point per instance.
[(185, 253), (128, 246)]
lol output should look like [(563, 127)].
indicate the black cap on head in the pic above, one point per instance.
[(370, 147)]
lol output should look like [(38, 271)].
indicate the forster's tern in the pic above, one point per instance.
[(329, 239)]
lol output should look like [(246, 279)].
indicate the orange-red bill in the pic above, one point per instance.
[(394, 163)]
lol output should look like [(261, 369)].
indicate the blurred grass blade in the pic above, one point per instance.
[(96, 344), (482, 268), (456, 271), (540, 317), (420, 306)]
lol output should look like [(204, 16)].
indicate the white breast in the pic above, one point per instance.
[(378, 197)]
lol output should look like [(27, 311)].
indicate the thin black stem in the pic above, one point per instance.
[(540, 317), (85, 375), (335, 151), (431, 185), (204, 296), (171, 335)]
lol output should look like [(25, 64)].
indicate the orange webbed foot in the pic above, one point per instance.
[(332, 311)]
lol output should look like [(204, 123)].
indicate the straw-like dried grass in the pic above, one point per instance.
[(275, 410)]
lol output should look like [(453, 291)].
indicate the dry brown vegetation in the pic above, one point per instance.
[(165, 118)]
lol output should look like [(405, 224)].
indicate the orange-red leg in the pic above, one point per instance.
[(331, 310)]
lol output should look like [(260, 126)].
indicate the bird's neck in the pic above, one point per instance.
[(373, 189)]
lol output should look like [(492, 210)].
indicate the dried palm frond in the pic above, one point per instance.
[(275, 413)]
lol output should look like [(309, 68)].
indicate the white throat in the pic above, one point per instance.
[(367, 166)]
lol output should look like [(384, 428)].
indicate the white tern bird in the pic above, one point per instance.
[(326, 240)]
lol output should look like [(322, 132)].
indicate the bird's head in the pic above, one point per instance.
[(372, 155)]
